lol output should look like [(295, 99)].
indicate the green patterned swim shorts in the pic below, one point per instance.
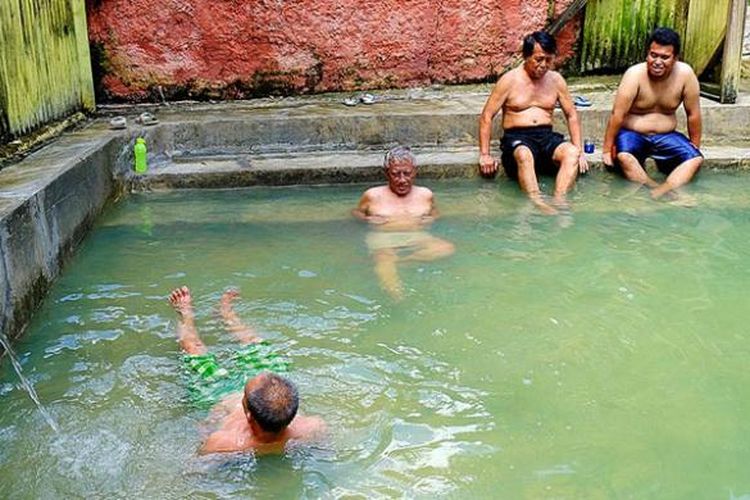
[(209, 381)]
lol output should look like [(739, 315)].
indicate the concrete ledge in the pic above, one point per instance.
[(346, 167), (48, 202)]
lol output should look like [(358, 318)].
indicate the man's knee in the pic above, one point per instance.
[(627, 160), (568, 152), (523, 155)]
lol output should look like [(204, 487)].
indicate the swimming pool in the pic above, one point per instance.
[(596, 354)]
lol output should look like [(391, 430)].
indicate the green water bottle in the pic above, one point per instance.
[(140, 156)]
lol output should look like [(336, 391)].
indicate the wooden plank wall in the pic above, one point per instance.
[(706, 27), (45, 68), (615, 31)]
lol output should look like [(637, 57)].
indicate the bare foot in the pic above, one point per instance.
[(187, 335), (182, 301), (232, 322)]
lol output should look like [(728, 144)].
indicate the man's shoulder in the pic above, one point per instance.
[(509, 76), (307, 427), (638, 69), (684, 69), (375, 191), (422, 191)]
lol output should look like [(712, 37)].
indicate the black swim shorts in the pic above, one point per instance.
[(541, 140)]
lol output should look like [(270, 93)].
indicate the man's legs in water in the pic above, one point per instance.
[(385, 268), (430, 248), (527, 179), (634, 171), (234, 325), (566, 156), (187, 335), (680, 176)]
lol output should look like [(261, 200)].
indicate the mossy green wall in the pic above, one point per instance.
[(615, 30), (45, 68)]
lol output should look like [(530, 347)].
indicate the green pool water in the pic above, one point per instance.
[(599, 354)]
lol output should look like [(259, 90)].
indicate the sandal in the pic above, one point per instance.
[(147, 119), (118, 123), (368, 99), (581, 102)]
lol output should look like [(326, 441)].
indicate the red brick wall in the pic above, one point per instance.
[(240, 48)]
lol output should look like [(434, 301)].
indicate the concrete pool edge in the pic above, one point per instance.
[(48, 203)]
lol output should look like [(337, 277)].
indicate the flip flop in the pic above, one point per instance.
[(147, 119), (350, 101), (118, 123), (368, 99), (581, 102)]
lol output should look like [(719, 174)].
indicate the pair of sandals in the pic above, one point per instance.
[(364, 99), (120, 122)]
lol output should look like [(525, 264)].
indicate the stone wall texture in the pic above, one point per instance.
[(243, 48)]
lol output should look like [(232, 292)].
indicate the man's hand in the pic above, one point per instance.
[(487, 165), (607, 159), (583, 164)]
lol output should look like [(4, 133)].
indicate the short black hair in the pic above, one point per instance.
[(273, 402), (545, 40), (664, 36)]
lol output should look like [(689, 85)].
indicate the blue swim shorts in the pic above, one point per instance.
[(668, 150)]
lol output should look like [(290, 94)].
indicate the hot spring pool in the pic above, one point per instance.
[(600, 354)]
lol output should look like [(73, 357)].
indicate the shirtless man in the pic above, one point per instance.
[(643, 118), (263, 418), (399, 214), (527, 96)]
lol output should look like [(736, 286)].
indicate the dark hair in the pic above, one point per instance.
[(272, 402), (545, 40), (664, 36)]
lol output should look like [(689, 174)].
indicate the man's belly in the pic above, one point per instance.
[(529, 117), (650, 123)]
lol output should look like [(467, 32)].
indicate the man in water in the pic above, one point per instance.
[(643, 118), (263, 418), (399, 214), (527, 96)]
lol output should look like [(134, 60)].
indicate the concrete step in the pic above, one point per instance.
[(326, 167), (430, 118)]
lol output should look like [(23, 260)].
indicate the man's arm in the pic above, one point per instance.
[(360, 212), (624, 98), (574, 125), (487, 163), (433, 213), (692, 106)]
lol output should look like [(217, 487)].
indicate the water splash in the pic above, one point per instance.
[(26, 384)]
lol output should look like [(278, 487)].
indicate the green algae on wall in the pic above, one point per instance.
[(615, 30), (45, 68)]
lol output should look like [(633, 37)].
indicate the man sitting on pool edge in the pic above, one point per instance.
[(263, 418), (399, 213)]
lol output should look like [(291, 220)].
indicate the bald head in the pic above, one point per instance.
[(271, 400)]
